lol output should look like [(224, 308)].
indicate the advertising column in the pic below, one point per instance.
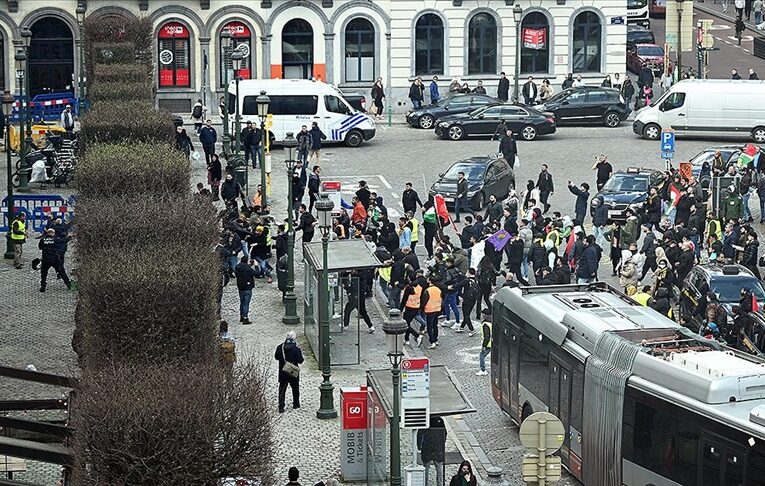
[(353, 433)]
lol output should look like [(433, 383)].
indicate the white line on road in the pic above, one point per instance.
[(395, 196), (385, 181)]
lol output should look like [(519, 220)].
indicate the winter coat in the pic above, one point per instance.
[(684, 264), (587, 266), (503, 88), (582, 196), (732, 207), (537, 255), (628, 270), (600, 217), (416, 92), (316, 136), (208, 136), (292, 353)]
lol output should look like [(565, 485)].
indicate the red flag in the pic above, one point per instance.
[(569, 248), (674, 194), (755, 305), (441, 210)]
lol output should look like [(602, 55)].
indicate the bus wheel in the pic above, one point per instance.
[(354, 138), (526, 412)]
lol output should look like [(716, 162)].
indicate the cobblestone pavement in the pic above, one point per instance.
[(41, 333)]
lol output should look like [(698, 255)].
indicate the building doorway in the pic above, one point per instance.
[(297, 50), (51, 57)]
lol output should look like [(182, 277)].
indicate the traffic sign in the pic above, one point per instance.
[(667, 141), (542, 432)]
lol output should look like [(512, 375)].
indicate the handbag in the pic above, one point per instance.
[(373, 109), (290, 369)]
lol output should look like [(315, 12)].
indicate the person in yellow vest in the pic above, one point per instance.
[(644, 297), (411, 304), (18, 238), (415, 229), (485, 342), (432, 303), (714, 227)]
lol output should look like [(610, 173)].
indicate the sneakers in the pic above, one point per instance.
[(446, 322), (246, 321), (432, 346), (481, 373), (458, 329), (419, 340), (372, 330), (471, 334), (42, 288), (406, 343), (456, 326)]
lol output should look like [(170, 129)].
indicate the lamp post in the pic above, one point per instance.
[(290, 300), (326, 410), (262, 102), (26, 35), (81, 9), (394, 328), (21, 64), (7, 107), (679, 38), (517, 13), (225, 42), (239, 163)]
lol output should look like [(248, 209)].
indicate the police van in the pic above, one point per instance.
[(297, 102)]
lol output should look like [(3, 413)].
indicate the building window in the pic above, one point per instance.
[(241, 40), (359, 50), (535, 48), (586, 47), (174, 70), (297, 50), (51, 57), (429, 45), (482, 44)]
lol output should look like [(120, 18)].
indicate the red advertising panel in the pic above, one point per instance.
[(237, 29), (173, 30), (354, 408), (534, 38)]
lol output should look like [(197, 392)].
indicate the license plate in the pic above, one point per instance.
[(449, 199), (614, 214)]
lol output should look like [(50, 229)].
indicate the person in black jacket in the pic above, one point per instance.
[(251, 141), (230, 191), (50, 258), (306, 223), (749, 255), (245, 282), (183, 141), (648, 250), (653, 208), (208, 137), (417, 93), (289, 351), (508, 148), (410, 199), (314, 184), (503, 87), (357, 288), (432, 445), (545, 186), (587, 265), (582, 197), (685, 262)]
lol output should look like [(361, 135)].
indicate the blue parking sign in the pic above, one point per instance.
[(667, 141)]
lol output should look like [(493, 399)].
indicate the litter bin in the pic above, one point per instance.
[(353, 433)]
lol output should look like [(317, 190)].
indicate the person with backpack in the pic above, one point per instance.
[(470, 292), (290, 356), (245, 282), (198, 113)]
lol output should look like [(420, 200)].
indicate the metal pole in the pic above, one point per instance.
[(290, 300), (263, 191), (541, 450), (395, 430), (237, 137), (25, 124), (327, 406), (679, 41), (9, 251), (226, 136), (22, 115), (517, 60), (81, 84)]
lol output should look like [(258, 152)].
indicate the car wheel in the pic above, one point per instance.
[(529, 133), (456, 132), (427, 121), (652, 131), (758, 134), (354, 138), (611, 119)]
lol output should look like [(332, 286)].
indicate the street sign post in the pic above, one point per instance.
[(415, 393), (542, 435), (667, 146)]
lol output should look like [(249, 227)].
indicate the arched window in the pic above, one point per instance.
[(174, 65), (51, 57), (585, 55), (241, 40), (429, 45), (359, 50), (535, 50), (482, 44), (297, 50)]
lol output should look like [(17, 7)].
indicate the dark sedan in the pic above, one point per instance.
[(426, 116), (526, 123), (587, 104), (485, 176)]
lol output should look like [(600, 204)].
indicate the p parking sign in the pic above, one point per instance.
[(667, 144)]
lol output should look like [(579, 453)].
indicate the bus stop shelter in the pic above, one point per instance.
[(446, 398), (347, 261)]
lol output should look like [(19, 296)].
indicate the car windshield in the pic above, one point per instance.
[(626, 183), (729, 289), (473, 172), (650, 51)]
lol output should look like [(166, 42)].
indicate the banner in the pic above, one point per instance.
[(535, 38)]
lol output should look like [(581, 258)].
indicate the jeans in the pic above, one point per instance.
[(394, 299), (265, 267), (745, 203), (303, 156), (762, 209), (209, 150), (231, 262), (460, 203), (385, 289), (244, 303), (584, 280), (525, 264), (671, 216), (245, 249), (256, 151), (482, 358), (416, 104), (439, 465), (432, 323), (451, 303)]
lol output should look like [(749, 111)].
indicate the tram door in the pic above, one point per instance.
[(510, 361), (560, 399)]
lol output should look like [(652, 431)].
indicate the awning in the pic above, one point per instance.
[(342, 255)]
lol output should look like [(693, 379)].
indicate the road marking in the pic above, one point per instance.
[(395, 196), (385, 181), (745, 50)]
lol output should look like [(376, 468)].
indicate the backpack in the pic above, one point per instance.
[(228, 350), (473, 290), (197, 113)]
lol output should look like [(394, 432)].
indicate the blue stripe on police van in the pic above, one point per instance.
[(351, 119), (338, 133)]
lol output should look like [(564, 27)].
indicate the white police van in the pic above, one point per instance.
[(297, 102)]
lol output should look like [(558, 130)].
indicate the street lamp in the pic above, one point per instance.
[(262, 102), (394, 328), (326, 410), (21, 65), (679, 38), (81, 9), (517, 14), (290, 300), (7, 107), (238, 161), (225, 42)]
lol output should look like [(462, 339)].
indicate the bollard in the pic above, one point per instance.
[(390, 116), (494, 474)]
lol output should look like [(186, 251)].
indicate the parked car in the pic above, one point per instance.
[(627, 189), (657, 8), (357, 101), (485, 176), (650, 54), (526, 123), (637, 34), (729, 153), (426, 116), (588, 104)]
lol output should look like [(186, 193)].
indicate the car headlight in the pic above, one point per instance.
[(443, 124), (637, 206)]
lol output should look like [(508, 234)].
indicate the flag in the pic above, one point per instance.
[(570, 247), (755, 305), (441, 210), (499, 239), (674, 194), (747, 156)]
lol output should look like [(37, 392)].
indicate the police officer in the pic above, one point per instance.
[(50, 258), (486, 338)]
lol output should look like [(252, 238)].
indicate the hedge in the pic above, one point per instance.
[(121, 91), (149, 304), (110, 30), (120, 73), (133, 169), (126, 121), (114, 53)]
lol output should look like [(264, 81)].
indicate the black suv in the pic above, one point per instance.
[(628, 189), (726, 281), (589, 104), (426, 116), (637, 34)]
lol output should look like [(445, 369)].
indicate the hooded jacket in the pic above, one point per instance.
[(292, 353)]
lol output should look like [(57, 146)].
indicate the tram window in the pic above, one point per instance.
[(734, 469), (653, 443), (533, 371), (577, 397), (687, 438), (711, 465), (756, 468)]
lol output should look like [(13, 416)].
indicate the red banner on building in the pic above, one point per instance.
[(535, 38), (173, 30), (237, 29)]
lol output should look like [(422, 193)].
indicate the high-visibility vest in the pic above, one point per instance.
[(415, 230), (642, 298), (716, 229), (483, 338), (21, 228), (413, 301), (384, 273), (435, 300), (554, 236)]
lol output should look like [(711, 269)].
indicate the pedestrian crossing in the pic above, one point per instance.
[(376, 183)]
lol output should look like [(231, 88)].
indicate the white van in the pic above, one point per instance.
[(297, 102), (706, 107)]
